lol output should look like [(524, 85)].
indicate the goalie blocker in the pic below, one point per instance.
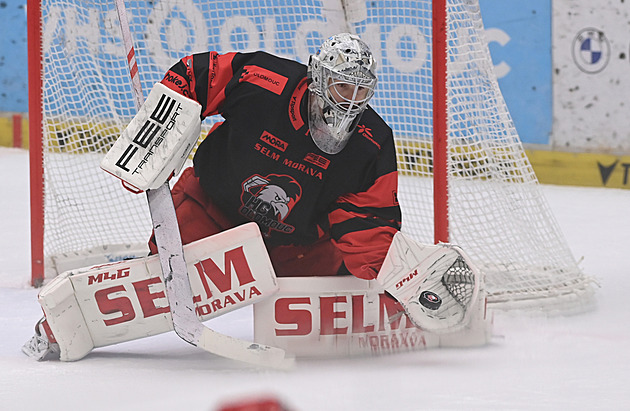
[(157, 141)]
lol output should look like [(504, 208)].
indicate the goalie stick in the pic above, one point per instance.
[(178, 290)]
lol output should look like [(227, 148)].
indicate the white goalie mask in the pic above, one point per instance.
[(342, 81)]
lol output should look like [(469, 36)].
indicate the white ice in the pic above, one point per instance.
[(580, 362)]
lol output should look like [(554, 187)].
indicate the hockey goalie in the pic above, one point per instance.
[(298, 180)]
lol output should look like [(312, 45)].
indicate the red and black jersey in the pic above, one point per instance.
[(260, 164)]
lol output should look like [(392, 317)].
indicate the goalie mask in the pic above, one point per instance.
[(342, 81)]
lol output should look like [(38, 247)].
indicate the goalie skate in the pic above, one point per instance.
[(39, 347)]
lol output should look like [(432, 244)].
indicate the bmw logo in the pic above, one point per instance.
[(591, 50)]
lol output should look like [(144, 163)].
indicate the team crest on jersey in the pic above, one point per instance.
[(269, 200)]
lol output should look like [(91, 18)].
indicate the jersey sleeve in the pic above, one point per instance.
[(202, 77), (362, 225)]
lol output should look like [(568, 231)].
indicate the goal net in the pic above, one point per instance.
[(489, 202)]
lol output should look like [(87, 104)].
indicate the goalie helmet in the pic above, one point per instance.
[(342, 81)]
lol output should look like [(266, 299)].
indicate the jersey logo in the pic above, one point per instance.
[(264, 78), (318, 160), (269, 200), (367, 133), (294, 104), (274, 141)]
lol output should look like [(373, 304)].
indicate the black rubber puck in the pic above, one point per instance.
[(430, 300)]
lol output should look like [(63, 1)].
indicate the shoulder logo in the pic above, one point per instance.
[(264, 78), (294, 104), (367, 133)]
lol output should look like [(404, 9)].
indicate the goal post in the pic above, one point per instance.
[(439, 47), (36, 161), (464, 175)]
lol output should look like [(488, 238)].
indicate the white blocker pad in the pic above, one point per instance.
[(157, 141), (346, 316), (122, 301)]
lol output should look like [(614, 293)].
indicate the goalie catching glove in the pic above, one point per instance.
[(157, 142), (437, 285)]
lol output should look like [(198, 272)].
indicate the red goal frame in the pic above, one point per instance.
[(36, 161)]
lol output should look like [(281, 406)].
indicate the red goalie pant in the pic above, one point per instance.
[(198, 218)]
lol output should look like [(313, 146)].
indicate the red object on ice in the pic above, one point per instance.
[(256, 404)]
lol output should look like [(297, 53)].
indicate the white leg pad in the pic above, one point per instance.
[(112, 303), (63, 312), (343, 316)]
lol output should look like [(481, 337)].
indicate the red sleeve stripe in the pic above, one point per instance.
[(171, 79), (219, 75), (342, 221), (382, 194), (294, 109), (367, 240), (364, 251)]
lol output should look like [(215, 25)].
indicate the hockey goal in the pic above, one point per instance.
[(465, 177)]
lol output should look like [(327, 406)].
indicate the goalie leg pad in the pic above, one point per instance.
[(437, 285), (112, 303), (341, 316), (63, 313)]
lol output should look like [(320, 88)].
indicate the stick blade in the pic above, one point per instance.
[(245, 351)]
